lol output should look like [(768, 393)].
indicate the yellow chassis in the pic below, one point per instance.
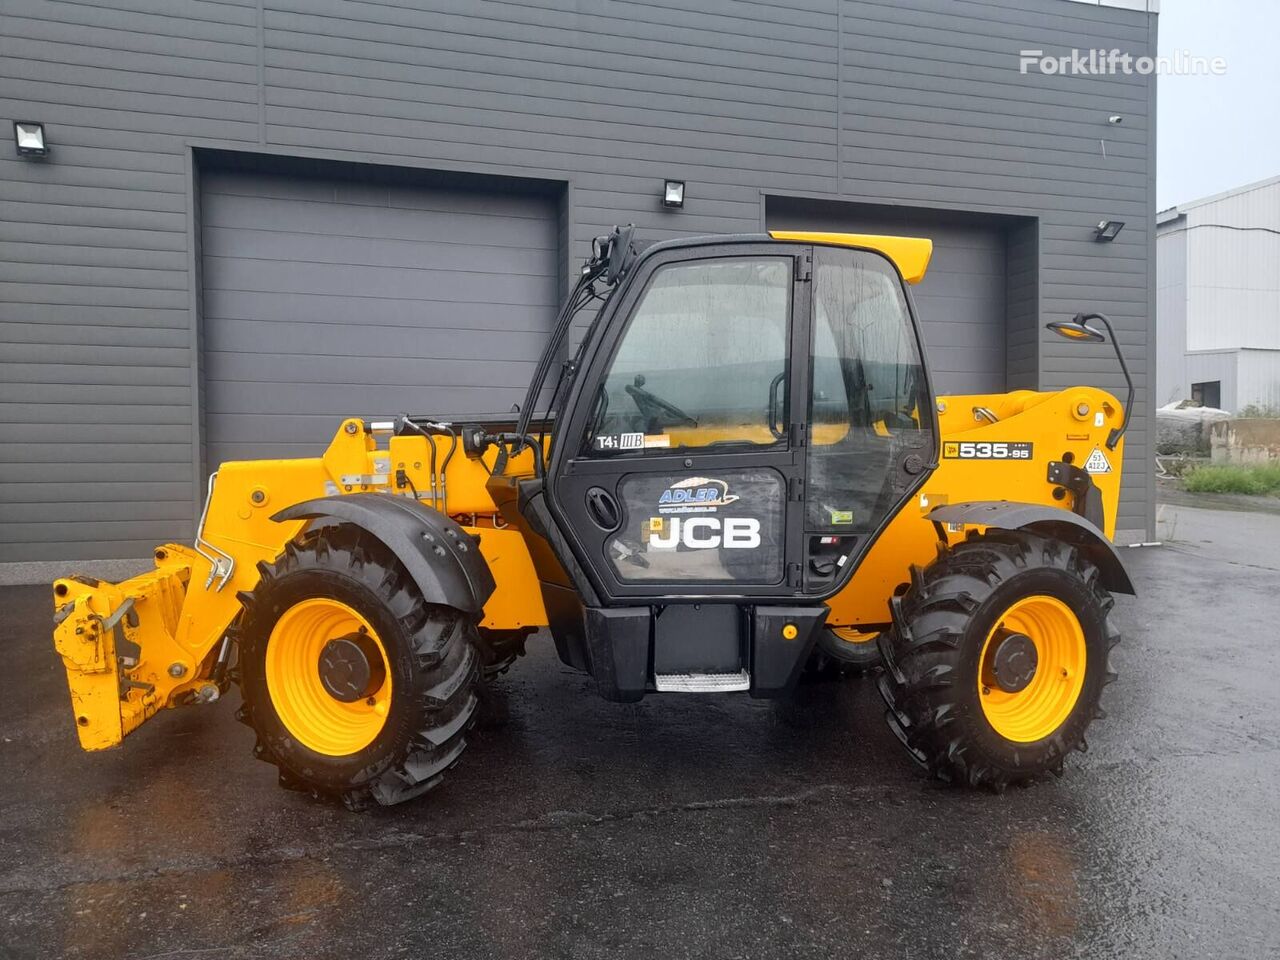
[(156, 640)]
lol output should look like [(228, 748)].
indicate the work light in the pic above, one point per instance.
[(29, 138), (1108, 230)]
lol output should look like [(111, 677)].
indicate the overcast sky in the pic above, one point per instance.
[(1215, 133)]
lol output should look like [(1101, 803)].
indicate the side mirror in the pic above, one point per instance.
[(1076, 329)]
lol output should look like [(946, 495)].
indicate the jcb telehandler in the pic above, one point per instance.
[(740, 468)]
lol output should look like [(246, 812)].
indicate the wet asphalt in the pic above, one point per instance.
[(685, 826)]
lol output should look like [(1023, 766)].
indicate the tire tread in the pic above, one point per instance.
[(922, 652), (444, 658)]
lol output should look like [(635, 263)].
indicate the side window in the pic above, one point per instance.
[(703, 360), (867, 391)]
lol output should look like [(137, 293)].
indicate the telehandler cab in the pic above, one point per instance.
[(740, 470)]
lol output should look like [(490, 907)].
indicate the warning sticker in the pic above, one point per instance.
[(1097, 462)]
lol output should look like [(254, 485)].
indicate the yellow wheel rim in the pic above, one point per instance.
[(1043, 705), (318, 719), (854, 635)]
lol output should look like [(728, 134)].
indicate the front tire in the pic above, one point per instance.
[(386, 722), (1009, 601)]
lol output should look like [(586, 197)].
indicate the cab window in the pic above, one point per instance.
[(867, 391), (703, 361)]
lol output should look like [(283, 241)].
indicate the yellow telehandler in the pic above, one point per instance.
[(740, 470)]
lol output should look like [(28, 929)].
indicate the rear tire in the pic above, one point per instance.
[(947, 706), (429, 659)]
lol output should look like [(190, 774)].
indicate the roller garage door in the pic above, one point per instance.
[(325, 298), (962, 299)]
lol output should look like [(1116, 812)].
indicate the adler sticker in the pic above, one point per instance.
[(695, 495), (1097, 462)]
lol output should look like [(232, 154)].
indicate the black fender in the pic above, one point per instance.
[(1053, 522), (442, 558)]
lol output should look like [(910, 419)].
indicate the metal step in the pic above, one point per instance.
[(702, 682)]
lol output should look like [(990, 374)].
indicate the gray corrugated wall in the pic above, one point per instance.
[(915, 102), (1022, 305)]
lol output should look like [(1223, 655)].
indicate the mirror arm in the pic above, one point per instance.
[(1117, 432)]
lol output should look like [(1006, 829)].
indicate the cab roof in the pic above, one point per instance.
[(909, 254)]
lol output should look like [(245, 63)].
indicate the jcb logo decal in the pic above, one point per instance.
[(705, 533), (986, 450)]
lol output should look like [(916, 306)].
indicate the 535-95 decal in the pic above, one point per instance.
[(986, 450)]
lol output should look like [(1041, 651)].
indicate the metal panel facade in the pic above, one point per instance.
[(1219, 291), (1258, 379), (1171, 309), (917, 103), (1233, 280)]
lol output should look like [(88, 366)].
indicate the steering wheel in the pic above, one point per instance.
[(652, 407)]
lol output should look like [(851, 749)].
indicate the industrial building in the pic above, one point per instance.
[(1218, 300), (227, 224)]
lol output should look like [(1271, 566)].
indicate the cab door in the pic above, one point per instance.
[(679, 470), (872, 435), (750, 420)]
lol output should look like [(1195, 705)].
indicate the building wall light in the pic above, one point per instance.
[(1107, 230), (28, 136), (673, 193)]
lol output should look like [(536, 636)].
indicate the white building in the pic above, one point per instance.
[(1218, 299)]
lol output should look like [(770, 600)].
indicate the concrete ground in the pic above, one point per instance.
[(685, 827)]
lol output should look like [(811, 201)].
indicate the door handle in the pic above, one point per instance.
[(777, 431), (603, 509)]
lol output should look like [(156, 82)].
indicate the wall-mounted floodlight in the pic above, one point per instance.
[(1079, 330), (28, 136), (1107, 230), (673, 193)]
